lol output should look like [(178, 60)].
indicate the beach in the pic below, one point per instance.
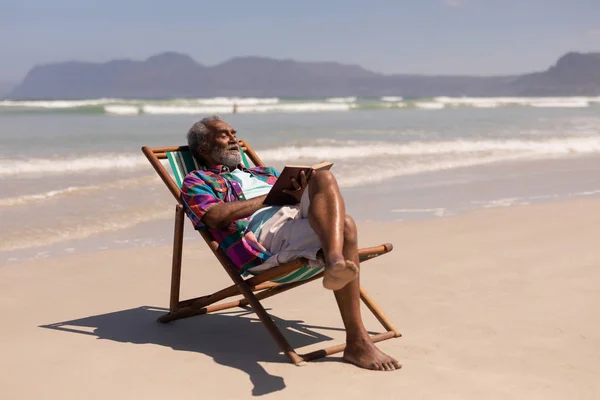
[(494, 303), (492, 206)]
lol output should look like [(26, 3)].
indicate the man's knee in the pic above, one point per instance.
[(350, 232), (323, 177)]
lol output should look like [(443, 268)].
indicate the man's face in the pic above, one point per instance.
[(224, 145)]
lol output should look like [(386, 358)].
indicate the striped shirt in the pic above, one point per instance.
[(203, 189)]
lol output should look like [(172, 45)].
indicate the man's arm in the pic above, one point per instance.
[(222, 215)]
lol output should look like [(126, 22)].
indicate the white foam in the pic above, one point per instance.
[(378, 173), (229, 101), (64, 104), (485, 105), (341, 100), (258, 108), (356, 149), (175, 110), (298, 107), (11, 201), (562, 104), (491, 102), (588, 193), (507, 202), (59, 104), (77, 190), (438, 212), (429, 105), (392, 99), (100, 162), (120, 109)]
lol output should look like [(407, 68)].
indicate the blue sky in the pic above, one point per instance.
[(413, 36)]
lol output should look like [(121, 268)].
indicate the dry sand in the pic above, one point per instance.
[(496, 304)]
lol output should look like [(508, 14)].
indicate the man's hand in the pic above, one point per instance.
[(299, 187), (223, 214)]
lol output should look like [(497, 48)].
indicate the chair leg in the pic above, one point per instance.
[(177, 252), (275, 333), (381, 317), (260, 311)]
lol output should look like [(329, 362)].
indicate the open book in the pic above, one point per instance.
[(277, 197)]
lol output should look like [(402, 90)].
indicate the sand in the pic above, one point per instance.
[(495, 304)]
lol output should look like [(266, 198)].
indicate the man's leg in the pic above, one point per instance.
[(331, 218), (360, 350), (326, 216)]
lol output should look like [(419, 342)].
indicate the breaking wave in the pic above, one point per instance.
[(51, 166), (356, 149), (76, 190), (392, 98), (330, 150), (341, 100), (493, 102), (226, 105)]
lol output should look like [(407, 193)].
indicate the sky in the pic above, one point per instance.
[(478, 37)]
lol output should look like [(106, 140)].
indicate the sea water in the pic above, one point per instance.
[(73, 177)]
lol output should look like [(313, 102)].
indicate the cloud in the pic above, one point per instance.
[(454, 3), (594, 32)]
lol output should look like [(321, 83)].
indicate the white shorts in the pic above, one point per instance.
[(288, 235)]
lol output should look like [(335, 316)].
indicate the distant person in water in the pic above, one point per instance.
[(235, 108), (227, 199)]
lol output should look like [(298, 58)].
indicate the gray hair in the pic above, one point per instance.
[(197, 136)]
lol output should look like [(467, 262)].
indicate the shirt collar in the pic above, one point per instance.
[(221, 169)]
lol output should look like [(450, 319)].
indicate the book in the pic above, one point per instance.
[(276, 196)]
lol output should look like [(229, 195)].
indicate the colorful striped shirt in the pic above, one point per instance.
[(203, 189)]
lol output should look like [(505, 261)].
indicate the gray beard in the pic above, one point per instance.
[(223, 156)]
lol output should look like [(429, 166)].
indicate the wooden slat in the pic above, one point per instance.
[(177, 252), (257, 282), (162, 172), (341, 347), (195, 306), (189, 302), (381, 317), (169, 148), (252, 154)]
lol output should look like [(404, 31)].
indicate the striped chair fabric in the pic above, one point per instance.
[(182, 163)]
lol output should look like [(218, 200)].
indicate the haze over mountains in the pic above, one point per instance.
[(175, 75)]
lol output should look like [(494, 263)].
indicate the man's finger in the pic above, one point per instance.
[(303, 178)]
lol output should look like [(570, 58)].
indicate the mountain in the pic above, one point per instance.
[(574, 74), (175, 75)]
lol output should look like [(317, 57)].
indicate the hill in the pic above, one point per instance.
[(175, 75)]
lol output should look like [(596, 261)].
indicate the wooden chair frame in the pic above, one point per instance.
[(255, 288)]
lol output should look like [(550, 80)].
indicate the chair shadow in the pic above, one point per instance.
[(230, 338)]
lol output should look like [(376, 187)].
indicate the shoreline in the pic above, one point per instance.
[(408, 198), (158, 233)]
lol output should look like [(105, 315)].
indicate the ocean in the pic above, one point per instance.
[(73, 177)]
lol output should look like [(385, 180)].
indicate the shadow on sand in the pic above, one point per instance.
[(231, 338)]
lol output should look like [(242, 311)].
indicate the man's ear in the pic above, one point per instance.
[(203, 152)]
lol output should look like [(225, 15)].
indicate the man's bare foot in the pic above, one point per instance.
[(365, 354), (339, 273)]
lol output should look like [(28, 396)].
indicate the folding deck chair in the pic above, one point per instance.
[(268, 283)]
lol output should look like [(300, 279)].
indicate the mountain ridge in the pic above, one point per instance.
[(177, 75)]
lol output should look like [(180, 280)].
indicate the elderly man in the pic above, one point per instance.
[(227, 199)]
